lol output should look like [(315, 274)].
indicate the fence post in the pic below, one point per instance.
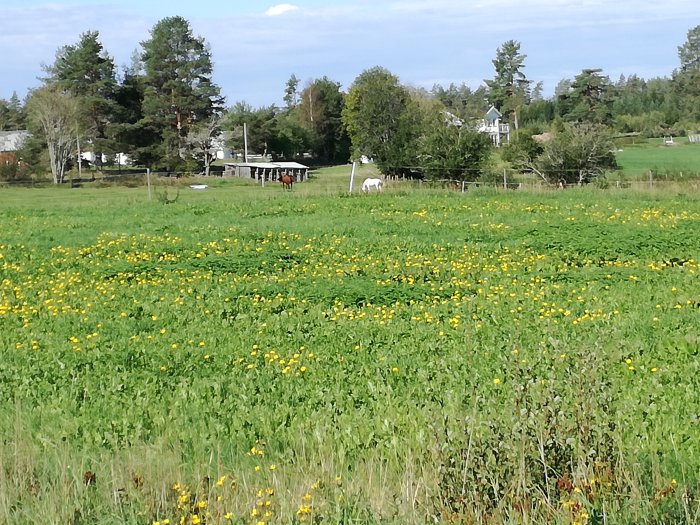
[(651, 183), (148, 182), (352, 177), (505, 180)]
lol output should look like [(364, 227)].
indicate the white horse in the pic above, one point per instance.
[(370, 183)]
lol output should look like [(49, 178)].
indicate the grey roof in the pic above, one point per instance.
[(12, 140), (294, 165), (268, 165)]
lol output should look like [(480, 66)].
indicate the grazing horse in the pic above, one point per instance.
[(287, 181), (370, 183)]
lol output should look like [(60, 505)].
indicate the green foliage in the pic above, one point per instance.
[(523, 149), (462, 101), (12, 114), (576, 155), (320, 113), (178, 90), (87, 72), (290, 91), (510, 88), (451, 152), (382, 121), (689, 52), (589, 99)]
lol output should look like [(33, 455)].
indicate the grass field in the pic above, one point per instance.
[(252, 356), (637, 160)]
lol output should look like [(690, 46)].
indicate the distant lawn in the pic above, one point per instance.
[(637, 160)]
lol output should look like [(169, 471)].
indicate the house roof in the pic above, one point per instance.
[(12, 140), (493, 113), (268, 165)]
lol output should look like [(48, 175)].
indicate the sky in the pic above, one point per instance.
[(257, 45)]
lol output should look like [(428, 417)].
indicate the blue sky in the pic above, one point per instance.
[(257, 45)]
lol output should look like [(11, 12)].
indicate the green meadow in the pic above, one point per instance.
[(253, 356), (682, 159)]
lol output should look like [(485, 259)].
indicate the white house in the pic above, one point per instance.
[(498, 131)]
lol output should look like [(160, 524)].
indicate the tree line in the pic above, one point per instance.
[(166, 113)]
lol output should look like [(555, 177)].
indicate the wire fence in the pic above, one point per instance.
[(509, 182)]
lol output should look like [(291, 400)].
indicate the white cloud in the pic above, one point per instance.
[(281, 9)]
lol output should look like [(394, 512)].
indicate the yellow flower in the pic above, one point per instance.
[(496, 381)]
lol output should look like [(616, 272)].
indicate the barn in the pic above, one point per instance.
[(266, 171), (11, 141)]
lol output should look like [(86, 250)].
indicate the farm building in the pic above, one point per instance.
[(11, 141), (267, 171)]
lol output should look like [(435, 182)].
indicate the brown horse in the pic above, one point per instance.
[(287, 181)]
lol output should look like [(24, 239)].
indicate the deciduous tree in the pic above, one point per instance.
[(381, 121), (320, 112), (577, 154), (204, 141), (55, 114), (448, 151)]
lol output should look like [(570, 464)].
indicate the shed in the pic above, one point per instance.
[(298, 171), (267, 171)]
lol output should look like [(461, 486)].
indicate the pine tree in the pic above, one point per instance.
[(86, 71), (509, 89), (178, 90)]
